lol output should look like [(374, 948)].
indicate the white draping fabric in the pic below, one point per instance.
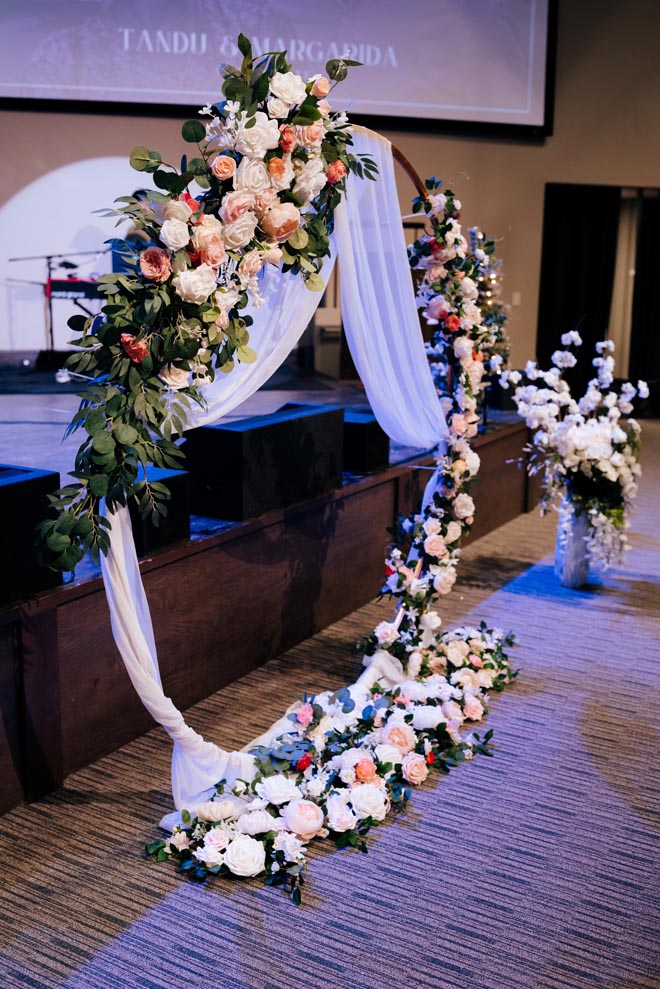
[(380, 317)]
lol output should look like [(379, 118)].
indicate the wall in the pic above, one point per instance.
[(606, 131)]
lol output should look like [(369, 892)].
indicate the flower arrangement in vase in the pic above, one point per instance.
[(588, 453)]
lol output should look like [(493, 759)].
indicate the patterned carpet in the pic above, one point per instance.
[(537, 869)]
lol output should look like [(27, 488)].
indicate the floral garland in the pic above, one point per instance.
[(494, 313), (348, 759), (587, 450), (447, 296), (271, 162)]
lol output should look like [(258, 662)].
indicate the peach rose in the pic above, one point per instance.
[(213, 252), (475, 661), (223, 167), (251, 264), (336, 172), (137, 350), (288, 138), (435, 546), (264, 202), (365, 770), (235, 204), (437, 664), (472, 708), (281, 221), (414, 768), (399, 734), (323, 107), (155, 264), (311, 135), (304, 818), (321, 87), (277, 167)]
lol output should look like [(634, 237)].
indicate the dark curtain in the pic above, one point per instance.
[(580, 227), (645, 334)]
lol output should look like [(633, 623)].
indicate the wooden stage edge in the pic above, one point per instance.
[(221, 605)]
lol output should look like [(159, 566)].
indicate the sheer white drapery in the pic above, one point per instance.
[(380, 316)]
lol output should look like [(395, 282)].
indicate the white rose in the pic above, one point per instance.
[(444, 579), (288, 86), (453, 533), (386, 633), (427, 716), (210, 226), (195, 284), (432, 527), (263, 136), (175, 209), (239, 233), (245, 856), (473, 461), (286, 178), (304, 818), (175, 234), (463, 506), (465, 678), (388, 753), (311, 179), (278, 789), (453, 711), (340, 817), (457, 652), (463, 347), (174, 377), (178, 841), (252, 176), (223, 809), (256, 822), (469, 289), (209, 855), (370, 801), (277, 107)]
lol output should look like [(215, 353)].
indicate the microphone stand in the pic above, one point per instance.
[(49, 259)]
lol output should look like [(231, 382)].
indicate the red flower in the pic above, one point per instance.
[(137, 350), (336, 172), (430, 759), (389, 570), (304, 762), (452, 323), (192, 204)]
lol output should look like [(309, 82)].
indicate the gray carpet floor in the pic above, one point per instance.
[(537, 869)]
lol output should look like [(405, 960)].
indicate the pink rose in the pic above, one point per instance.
[(414, 768), (311, 135), (155, 264), (336, 172), (235, 204), (223, 167), (321, 87), (281, 221), (323, 107), (213, 252), (305, 714), (365, 770), (304, 818), (399, 734), (437, 307), (218, 838), (435, 546), (475, 660), (473, 708)]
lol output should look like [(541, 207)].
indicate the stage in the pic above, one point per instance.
[(232, 597)]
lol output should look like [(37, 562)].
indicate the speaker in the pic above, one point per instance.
[(23, 504), (366, 444), (241, 469), (175, 527)]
